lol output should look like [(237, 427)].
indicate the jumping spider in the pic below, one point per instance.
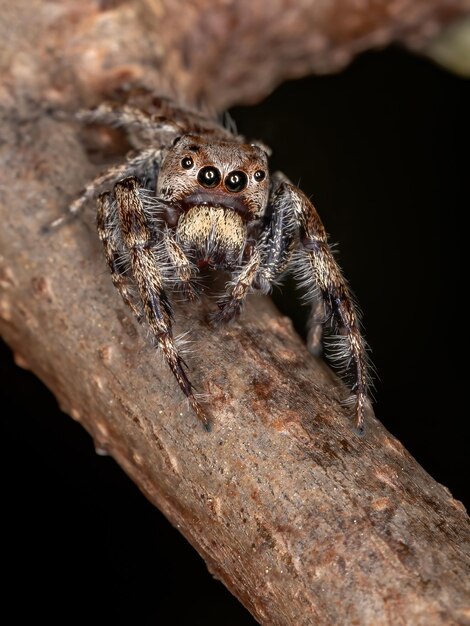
[(196, 194)]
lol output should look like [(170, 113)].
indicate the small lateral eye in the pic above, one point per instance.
[(236, 181), (259, 176), (187, 163), (209, 177)]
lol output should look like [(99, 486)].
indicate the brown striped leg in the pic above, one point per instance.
[(130, 118), (113, 252), (137, 238), (319, 273), (139, 165)]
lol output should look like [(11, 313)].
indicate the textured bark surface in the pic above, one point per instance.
[(303, 521), (221, 52)]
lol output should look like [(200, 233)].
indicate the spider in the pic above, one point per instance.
[(195, 194)]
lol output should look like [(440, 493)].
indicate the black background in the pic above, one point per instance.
[(378, 148)]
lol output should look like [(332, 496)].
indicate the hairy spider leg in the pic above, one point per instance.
[(139, 165), (137, 238), (167, 121), (318, 271), (269, 258), (132, 119), (280, 240), (280, 235), (115, 255)]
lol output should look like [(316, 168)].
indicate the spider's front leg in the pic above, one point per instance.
[(318, 272), (137, 238), (107, 226), (269, 257)]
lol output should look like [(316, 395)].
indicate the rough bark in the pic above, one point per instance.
[(304, 522)]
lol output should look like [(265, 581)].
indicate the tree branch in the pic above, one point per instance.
[(304, 522)]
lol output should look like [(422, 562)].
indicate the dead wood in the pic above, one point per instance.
[(304, 522)]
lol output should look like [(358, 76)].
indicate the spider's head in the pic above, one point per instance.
[(233, 175)]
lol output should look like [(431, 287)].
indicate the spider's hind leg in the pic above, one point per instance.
[(148, 127), (144, 165)]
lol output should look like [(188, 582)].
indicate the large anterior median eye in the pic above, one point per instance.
[(209, 177), (236, 181)]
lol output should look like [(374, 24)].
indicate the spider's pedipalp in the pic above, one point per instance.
[(182, 270), (230, 306)]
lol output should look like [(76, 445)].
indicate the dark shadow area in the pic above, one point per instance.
[(378, 149)]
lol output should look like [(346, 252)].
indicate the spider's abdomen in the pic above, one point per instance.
[(213, 233)]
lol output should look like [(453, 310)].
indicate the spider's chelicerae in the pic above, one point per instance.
[(195, 194)]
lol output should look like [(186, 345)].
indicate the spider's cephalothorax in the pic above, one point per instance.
[(197, 195), (216, 192)]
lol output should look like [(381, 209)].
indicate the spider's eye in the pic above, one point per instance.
[(209, 177), (187, 163), (259, 176), (236, 181)]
